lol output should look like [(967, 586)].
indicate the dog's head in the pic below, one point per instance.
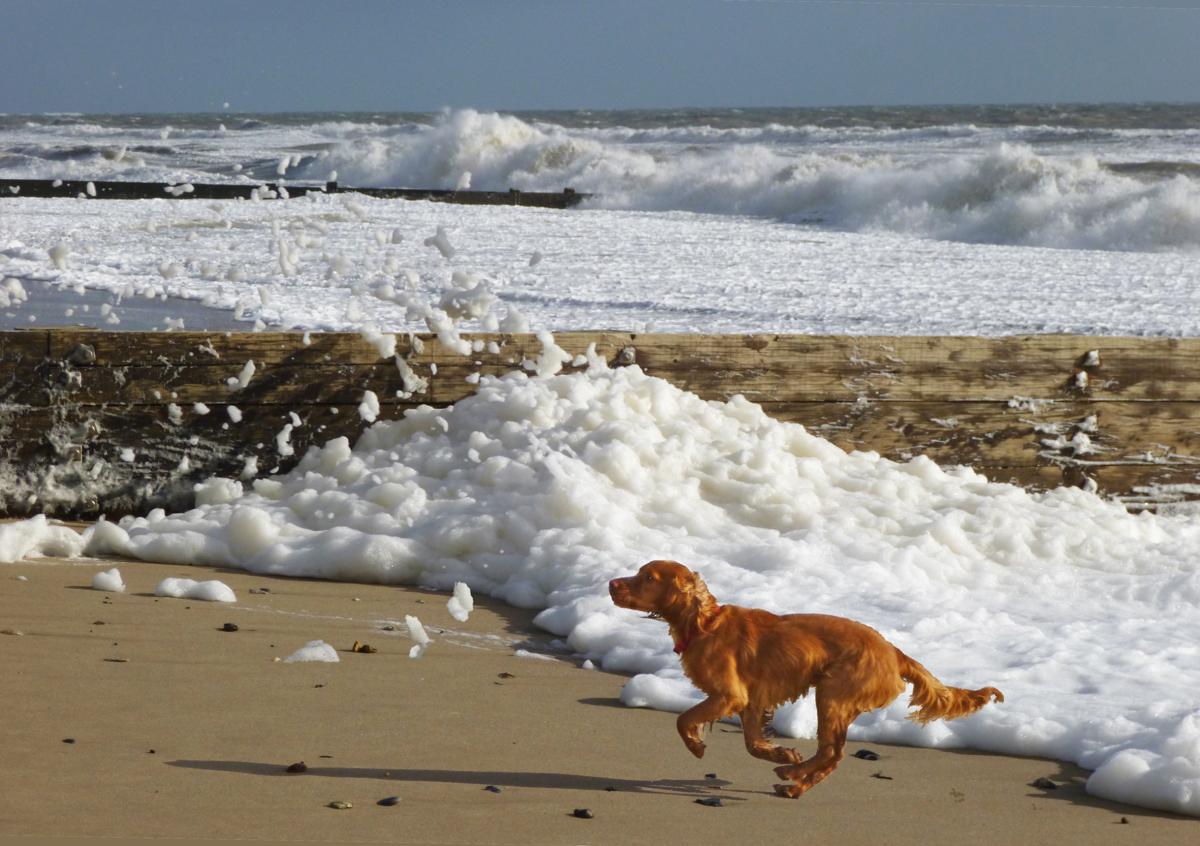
[(662, 588)]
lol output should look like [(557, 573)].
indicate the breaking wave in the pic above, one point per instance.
[(1002, 193)]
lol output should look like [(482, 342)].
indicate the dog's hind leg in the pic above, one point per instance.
[(752, 732), (833, 720)]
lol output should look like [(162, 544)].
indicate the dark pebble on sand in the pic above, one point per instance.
[(507, 675), (99, 623), (150, 752), (298, 767), (583, 813), (867, 755), (882, 776), (491, 788), (1044, 783), (710, 775), (389, 628), (389, 801), (710, 801), (68, 740), (611, 789), (1124, 820), (229, 627)]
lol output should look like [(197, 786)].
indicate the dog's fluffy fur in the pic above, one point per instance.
[(748, 661)]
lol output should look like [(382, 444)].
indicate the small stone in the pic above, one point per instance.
[(68, 740), (318, 685), (507, 675), (867, 755), (341, 805), (298, 767), (711, 802), (324, 756), (1044, 783), (388, 801), (363, 647), (82, 354), (610, 789), (583, 813), (389, 628), (21, 578), (710, 775), (150, 752), (229, 627), (882, 776), (13, 632), (99, 623), (1124, 820), (491, 788), (117, 660), (356, 599)]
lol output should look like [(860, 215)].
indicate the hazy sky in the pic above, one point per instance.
[(270, 55)]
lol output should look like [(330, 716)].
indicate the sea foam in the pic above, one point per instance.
[(537, 491)]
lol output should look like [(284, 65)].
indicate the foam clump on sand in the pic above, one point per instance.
[(417, 632), (37, 537), (537, 491), (461, 604), (109, 580), (209, 591), (314, 650)]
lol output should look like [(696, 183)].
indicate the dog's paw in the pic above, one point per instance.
[(788, 791), (785, 770), (696, 747), (786, 755)]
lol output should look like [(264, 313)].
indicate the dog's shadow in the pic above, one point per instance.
[(483, 778)]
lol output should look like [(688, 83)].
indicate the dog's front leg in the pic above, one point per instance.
[(690, 721)]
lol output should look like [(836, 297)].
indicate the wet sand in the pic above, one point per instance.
[(189, 736)]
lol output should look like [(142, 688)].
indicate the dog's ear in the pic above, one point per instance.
[(689, 582)]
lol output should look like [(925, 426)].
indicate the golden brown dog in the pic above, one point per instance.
[(748, 661)]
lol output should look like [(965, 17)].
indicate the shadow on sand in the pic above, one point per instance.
[(499, 778)]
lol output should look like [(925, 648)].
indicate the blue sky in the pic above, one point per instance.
[(269, 55)]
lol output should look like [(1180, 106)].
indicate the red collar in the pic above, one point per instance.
[(682, 645)]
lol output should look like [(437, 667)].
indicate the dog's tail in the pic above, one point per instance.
[(936, 701)]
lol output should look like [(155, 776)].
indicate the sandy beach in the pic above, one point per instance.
[(178, 729)]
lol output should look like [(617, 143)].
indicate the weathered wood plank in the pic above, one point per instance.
[(130, 190), (220, 349), (23, 345), (1011, 407), (1009, 435), (768, 368)]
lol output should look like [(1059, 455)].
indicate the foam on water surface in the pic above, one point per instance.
[(537, 491)]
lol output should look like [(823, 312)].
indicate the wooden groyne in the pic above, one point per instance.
[(106, 422), (119, 190)]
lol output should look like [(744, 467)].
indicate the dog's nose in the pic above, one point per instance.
[(612, 585)]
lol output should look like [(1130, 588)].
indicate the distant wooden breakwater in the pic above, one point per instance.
[(106, 422), (119, 190)]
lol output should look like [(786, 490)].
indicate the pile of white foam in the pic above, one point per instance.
[(36, 537), (536, 491)]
